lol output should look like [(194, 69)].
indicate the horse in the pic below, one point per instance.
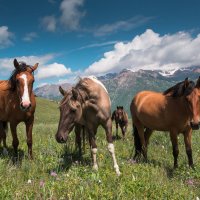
[(121, 118), (176, 110), (87, 104), (17, 104)]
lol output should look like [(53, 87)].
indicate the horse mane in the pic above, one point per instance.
[(21, 68), (179, 89)]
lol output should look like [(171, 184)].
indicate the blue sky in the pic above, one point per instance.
[(83, 37)]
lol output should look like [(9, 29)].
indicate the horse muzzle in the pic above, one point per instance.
[(25, 107), (61, 139), (194, 126)]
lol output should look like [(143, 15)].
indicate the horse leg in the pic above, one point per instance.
[(3, 134), (187, 139), (93, 147), (147, 135), (15, 142), (142, 141), (108, 129), (174, 140), (78, 138), (29, 127), (123, 131), (83, 134)]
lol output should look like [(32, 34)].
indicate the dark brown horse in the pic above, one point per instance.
[(17, 103), (121, 118), (88, 105), (176, 110)]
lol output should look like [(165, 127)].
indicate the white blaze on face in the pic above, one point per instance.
[(25, 98)]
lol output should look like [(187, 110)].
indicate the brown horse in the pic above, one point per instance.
[(17, 103), (121, 118), (88, 105), (176, 110)]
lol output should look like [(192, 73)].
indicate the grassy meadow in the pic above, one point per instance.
[(55, 172)]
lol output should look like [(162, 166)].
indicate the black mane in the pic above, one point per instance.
[(180, 89), (21, 68)]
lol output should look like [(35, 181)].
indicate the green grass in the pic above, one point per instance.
[(33, 180)]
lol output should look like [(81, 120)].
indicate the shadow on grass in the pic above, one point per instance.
[(169, 169), (71, 157), (12, 158), (116, 137)]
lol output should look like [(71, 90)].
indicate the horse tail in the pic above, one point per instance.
[(113, 115), (138, 146)]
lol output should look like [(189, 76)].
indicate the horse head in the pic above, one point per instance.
[(22, 80), (193, 99), (70, 113)]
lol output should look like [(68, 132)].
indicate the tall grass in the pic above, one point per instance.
[(56, 173)]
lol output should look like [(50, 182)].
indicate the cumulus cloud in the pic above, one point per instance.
[(45, 70), (124, 25), (71, 14), (150, 51), (30, 36), (49, 23), (5, 37), (53, 70)]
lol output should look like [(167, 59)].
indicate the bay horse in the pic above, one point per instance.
[(176, 110), (17, 103), (87, 104), (121, 119)]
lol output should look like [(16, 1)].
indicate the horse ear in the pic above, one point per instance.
[(62, 91), (74, 93), (122, 107), (16, 64), (35, 66), (186, 82), (198, 82), (117, 107)]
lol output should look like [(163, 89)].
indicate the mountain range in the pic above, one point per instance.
[(124, 85)]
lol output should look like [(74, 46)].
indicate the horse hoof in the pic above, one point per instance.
[(192, 167), (118, 172), (95, 167), (132, 161), (5, 152)]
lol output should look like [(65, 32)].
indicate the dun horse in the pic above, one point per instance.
[(121, 119), (176, 111), (88, 105), (17, 103)]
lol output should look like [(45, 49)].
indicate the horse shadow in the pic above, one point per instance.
[(11, 157), (70, 158), (114, 137)]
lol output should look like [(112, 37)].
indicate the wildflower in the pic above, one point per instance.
[(41, 183), (54, 174), (197, 198), (29, 181), (190, 182), (163, 146)]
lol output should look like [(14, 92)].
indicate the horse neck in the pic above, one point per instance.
[(182, 104)]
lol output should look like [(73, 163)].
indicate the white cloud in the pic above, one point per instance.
[(71, 14), (49, 23), (150, 51), (7, 63), (30, 36), (45, 65), (53, 70), (122, 25), (5, 37)]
